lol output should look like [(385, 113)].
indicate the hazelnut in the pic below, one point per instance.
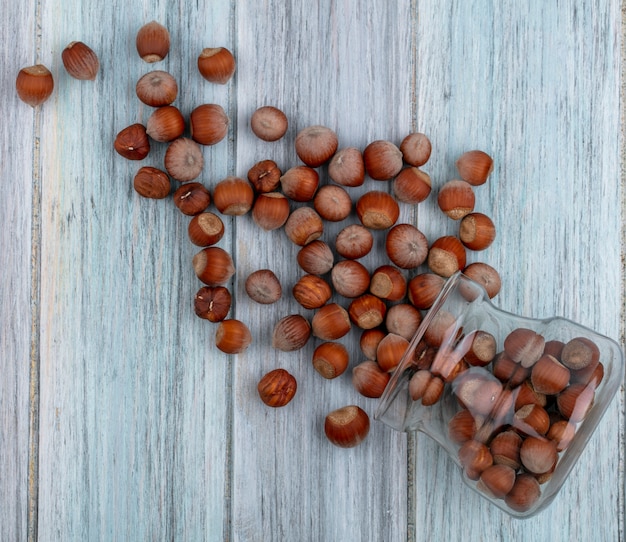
[(377, 210), (390, 351), (347, 168), (419, 384), (233, 196), (208, 124), (232, 336), (528, 395), (311, 291), (412, 185), (497, 480), (347, 427), (474, 167), (183, 159), (165, 124), (383, 160), (388, 282), (212, 303), (423, 356), (303, 226), (263, 286), (505, 447), (554, 348), (291, 333), (80, 61), (416, 149), (462, 427), (369, 379), (423, 289), (205, 229), (403, 319), (216, 64), (474, 457), (315, 145), (549, 376), (153, 42), (477, 391), (270, 210), (350, 278), (456, 199), (580, 353), (367, 311), (332, 203), (561, 432), (575, 401), (524, 494), (157, 88), (354, 242), (300, 183), (538, 455), (269, 123), (477, 231), (531, 420), (483, 349), (151, 182), (406, 246), (524, 346), (277, 388), (330, 322), (315, 258), (265, 176), (192, 198), (446, 256), (486, 276), (590, 375), (508, 371), (441, 328), (34, 84), (132, 142), (369, 341), (213, 266), (330, 359)]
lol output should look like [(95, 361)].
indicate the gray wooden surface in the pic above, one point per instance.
[(120, 420)]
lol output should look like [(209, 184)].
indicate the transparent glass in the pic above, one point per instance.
[(448, 370)]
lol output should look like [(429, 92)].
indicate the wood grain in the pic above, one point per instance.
[(140, 429)]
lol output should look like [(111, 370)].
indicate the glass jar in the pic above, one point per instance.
[(512, 400)]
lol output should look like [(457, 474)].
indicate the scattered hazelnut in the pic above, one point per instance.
[(456, 199), (330, 359), (367, 311), (216, 64), (416, 149), (477, 231), (265, 176), (412, 185), (233, 196), (330, 322), (369, 341), (132, 142), (423, 289), (350, 278), (312, 292), (263, 286), (151, 182), (347, 427), (369, 379), (153, 42), (474, 167), (486, 276), (332, 203), (270, 210), (80, 61), (315, 145), (34, 84), (213, 266), (354, 242), (377, 210), (406, 246), (192, 198), (157, 88), (212, 303), (300, 183), (388, 282), (208, 124), (303, 226), (205, 229), (277, 388), (232, 336), (291, 333), (315, 258), (403, 319), (269, 123), (183, 159), (446, 256), (165, 124), (383, 160), (390, 351), (347, 168)]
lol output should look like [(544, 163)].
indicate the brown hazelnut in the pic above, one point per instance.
[(531, 420), (456, 199), (303, 226), (412, 185), (132, 142), (403, 319), (497, 480), (347, 427), (263, 286), (34, 84), (575, 401), (232, 336), (330, 359), (213, 266), (350, 278), (270, 210), (212, 303), (388, 282), (579, 353), (332, 203), (80, 61), (474, 167), (269, 123), (390, 351), (477, 391), (383, 160), (165, 124), (509, 372), (561, 432), (590, 375), (153, 42), (208, 124), (311, 291), (505, 447), (369, 341), (462, 427), (315, 145), (477, 231), (291, 333), (216, 64), (205, 229), (367, 311), (330, 322), (425, 387), (300, 183), (157, 88), (486, 276), (524, 346), (446, 256), (474, 457), (528, 395), (549, 376), (483, 349), (192, 198), (416, 149), (183, 159), (369, 379), (423, 289), (406, 246), (277, 388), (354, 242), (347, 168), (538, 454), (524, 494), (265, 176), (151, 182), (233, 196), (315, 258), (441, 328), (377, 210)]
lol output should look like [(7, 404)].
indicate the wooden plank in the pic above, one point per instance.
[(346, 66), (538, 88), (19, 167)]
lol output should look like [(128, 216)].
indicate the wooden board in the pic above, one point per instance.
[(134, 426)]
